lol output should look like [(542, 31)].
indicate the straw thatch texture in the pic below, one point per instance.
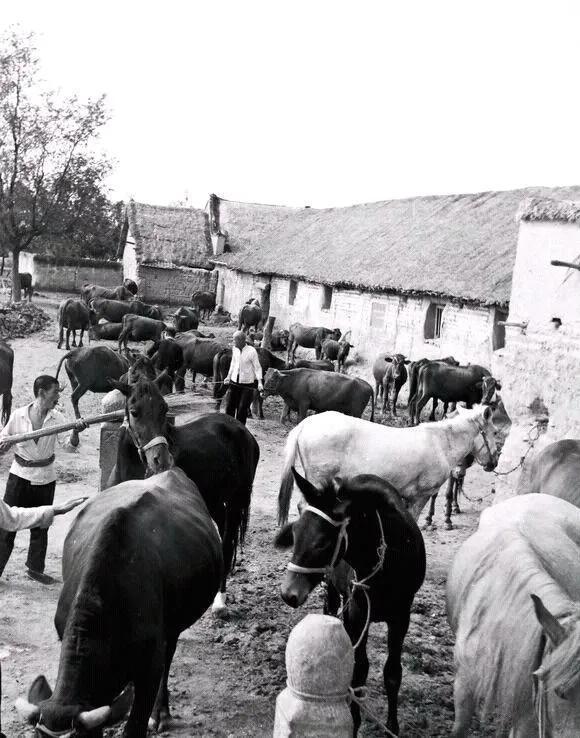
[(461, 246), (534, 208), (170, 237)]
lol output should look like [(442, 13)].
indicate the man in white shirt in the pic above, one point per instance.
[(244, 375), (32, 477)]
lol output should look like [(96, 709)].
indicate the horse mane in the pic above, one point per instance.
[(495, 597)]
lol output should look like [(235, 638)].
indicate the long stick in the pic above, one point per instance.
[(52, 430)]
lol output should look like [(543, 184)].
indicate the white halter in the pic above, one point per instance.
[(342, 536)]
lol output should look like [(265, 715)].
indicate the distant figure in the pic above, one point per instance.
[(244, 375)]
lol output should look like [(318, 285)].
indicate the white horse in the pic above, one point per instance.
[(513, 600), (416, 461)]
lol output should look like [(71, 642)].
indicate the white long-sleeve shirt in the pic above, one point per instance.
[(19, 422), (245, 367), (18, 518)]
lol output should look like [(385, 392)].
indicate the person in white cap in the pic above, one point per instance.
[(244, 375)]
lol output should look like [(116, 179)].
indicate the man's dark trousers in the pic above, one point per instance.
[(20, 493), (239, 400)]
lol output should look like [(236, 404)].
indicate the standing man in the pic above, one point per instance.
[(32, 477), (244, 375)]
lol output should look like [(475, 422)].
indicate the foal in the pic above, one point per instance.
[(351, 520)]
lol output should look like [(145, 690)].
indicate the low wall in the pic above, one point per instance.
[(173, 286), (65, 275)]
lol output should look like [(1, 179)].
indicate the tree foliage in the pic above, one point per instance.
[(51, 174)]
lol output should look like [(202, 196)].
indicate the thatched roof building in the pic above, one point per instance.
[(460, 246), (169, 237)]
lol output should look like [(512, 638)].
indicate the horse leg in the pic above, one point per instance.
[(396, 391), (451, 488), (60, 336), (458, 490), (332, 600), (180, 379), (393, 671), (354, 622), (464, 705), (160, 715), (81, 337), (431, 513)]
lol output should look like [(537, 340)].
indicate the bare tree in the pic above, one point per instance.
[(48, 168)]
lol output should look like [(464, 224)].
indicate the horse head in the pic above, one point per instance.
[(485, 447)]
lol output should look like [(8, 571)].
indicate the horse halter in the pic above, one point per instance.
[(157, 441), (342, 536)]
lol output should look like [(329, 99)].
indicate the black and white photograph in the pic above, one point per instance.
[(289, 369)]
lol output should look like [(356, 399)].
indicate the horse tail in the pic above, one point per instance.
[(237, 517), (287, 481), (66, 356), (6, 406)]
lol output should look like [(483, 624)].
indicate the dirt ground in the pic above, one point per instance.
[(226, 674)]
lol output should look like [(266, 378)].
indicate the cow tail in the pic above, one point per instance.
[(287, 481), (66, 356), (6, 406), (217, 378)]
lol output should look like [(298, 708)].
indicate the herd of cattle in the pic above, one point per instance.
[(147, 556)]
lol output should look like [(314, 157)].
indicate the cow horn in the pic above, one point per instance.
[(27, 710), (91, 719)]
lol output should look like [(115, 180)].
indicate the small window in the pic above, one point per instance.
[(378, 314), (434, 321), (326, 297), (292, 290)]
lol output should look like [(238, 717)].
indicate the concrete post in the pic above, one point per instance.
[(319, 665)]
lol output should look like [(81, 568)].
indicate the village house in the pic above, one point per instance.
[(166, 251), (425, 276)]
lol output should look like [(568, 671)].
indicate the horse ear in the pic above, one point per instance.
[(550, 625), (389, 358), (123, 387), (285, 536), (497, 384), (407, 361), (307, 489)]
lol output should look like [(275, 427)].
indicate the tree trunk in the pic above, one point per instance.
[(16, 294), (268, 328), (2, 268)]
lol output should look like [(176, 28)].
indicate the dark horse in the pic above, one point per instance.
[(350, 521), (6, 372), (216, 452)]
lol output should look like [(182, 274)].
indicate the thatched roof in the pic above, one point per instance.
[(170, 237), (460, 246), (535, 208)]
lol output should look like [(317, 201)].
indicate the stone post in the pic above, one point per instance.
[(319, 665)]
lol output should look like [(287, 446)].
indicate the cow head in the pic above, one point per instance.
[(488, 385), (398, 361), (283, 336), (154, 311), (146, 418), (131, 286), (52, 718), (335, 334)]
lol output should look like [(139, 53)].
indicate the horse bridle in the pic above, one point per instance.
[(342, 536), (157, 441)]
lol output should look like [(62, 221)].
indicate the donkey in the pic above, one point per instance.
[(364, 522)]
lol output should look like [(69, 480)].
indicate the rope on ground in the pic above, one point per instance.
[(359, 695)]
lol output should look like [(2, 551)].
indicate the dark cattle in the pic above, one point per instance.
[(371, 530), (91, 291), (395, 377), (185, 319), (279, 340), (302, 335), (199, 334), (336, 350), (6, 376), (89, 369), (26, 285), (198, 356), (204, 302), (141, 563), (107, 331), (114, 310), (250, 315), (131, 286), (414, 369), (555, 471), (221, 366), (215, 451), (309, 389), (142, 367), (137, 328), (450, 384), (166, 355), (75, 316), (320, 365)]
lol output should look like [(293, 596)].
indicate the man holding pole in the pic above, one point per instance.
[(32, 478)]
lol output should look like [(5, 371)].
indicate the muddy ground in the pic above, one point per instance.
[(226, 674)]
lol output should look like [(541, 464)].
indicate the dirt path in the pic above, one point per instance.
[(226, 674)]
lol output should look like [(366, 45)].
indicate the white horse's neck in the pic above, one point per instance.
[(458, 435)]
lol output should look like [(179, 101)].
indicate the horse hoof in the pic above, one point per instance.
[(219, 608)]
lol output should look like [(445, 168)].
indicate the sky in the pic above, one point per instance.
[(321, 103)]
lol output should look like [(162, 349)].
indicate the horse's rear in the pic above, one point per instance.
[(556, 471), (525, 546)]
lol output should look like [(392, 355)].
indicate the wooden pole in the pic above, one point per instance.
[(569, 264), (54, 429), (267, 338)]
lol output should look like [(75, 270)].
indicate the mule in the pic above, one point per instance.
[(513, 601), (216, 452), (364, 522), (415, 460)]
